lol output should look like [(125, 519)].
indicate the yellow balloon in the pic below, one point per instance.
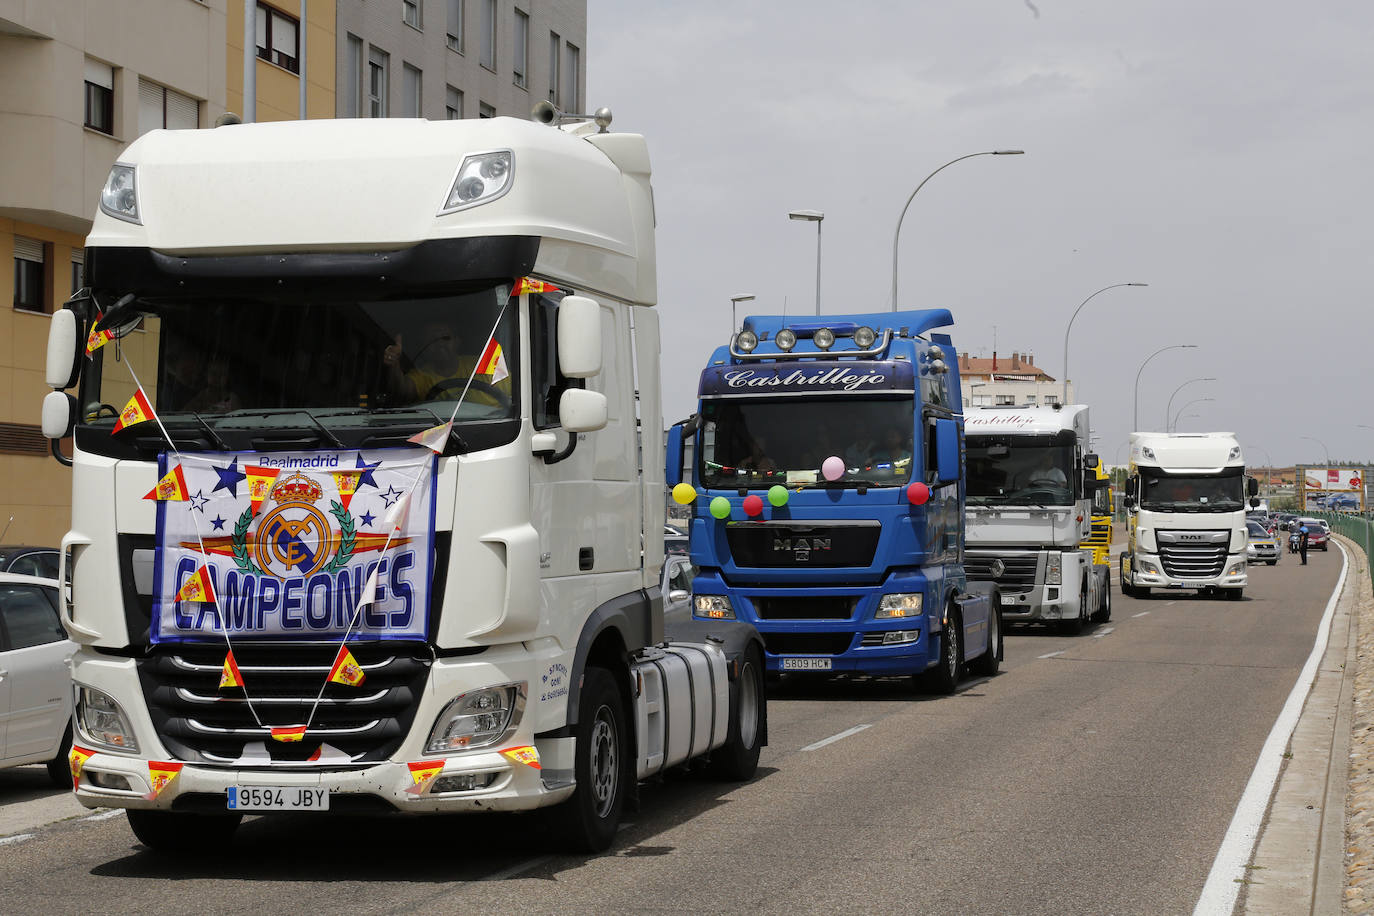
[(684, 493)]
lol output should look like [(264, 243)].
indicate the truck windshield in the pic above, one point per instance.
[(242, 362), (1019, 471), (787, 440), (1191, 493)]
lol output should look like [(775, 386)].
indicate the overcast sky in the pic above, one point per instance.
[(1219, 151)]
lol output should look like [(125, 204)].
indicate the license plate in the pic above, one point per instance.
[(1008, 599), (806, 664), (278, 798)]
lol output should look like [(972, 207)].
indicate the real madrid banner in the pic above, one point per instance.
[(294, 545)]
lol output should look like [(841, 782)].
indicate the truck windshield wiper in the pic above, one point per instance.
[(333, 439), (210, 432)]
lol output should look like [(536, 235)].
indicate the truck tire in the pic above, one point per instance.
[(986, 665), (1127, 588), (587, 821), (1075, 626), (181, 834), (944, 677), (738, 758), (1234, 594), (60, 768), (1104, 610)]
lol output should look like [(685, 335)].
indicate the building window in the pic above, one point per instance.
[(485, 111), (521, 48), (410, 91), (453, 103), (1051, 400), (376, 83), (455, 25), (353, 82), (571, 61), (160, 107), (1006, 400), (99, 97), (487, 57), (278, 38), (982, 400), (78, 270), (1030, 399), (410, 13), (554, 44), (29, 270)]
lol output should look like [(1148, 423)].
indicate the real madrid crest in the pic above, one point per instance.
[(295, 539)]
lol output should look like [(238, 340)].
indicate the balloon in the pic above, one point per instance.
[(917, 494), (720, 507), (777, 495), (753, 505), (833, 467), (684, 493)]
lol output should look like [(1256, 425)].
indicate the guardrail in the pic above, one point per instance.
[(1358, 528)]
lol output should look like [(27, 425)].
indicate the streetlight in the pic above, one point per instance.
[(1268, 469), (1136, 421), (1191, 416), (1326, 450), (1066, 332), (735, 301), (898, 232), (1169, 411), (1185, 407), (813, 216)]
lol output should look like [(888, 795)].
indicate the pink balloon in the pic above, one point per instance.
[(833, 467), (753, 505), (917, 494)]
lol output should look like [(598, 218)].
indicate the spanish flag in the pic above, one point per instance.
[(289, 733), (160, 776), (199, 588), (260, 482), (172, 486), (422, 772), (229, 676), (493, 362), (526, 754), (435, 438), (346, 669), (531, 285), (76, 760), (138, 410), (347, 484), (97, 339)]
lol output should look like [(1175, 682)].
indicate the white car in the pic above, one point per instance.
[(35, 677)]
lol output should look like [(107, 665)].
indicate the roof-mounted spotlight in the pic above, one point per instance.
[(746, 341), (785, 339), (823, 338), (864, 337)]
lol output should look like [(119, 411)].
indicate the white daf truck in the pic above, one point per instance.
[(362, 517), (1031, 480), (1186, 503)]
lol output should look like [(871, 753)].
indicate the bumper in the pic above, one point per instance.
[(1040, 601), (1162, 579)]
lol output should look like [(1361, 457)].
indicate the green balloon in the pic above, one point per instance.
[(777, 495), (720, 507)]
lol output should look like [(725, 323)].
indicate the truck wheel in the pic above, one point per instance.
[(587, 821), (182, 834), (1127, 588), (987, 664), (1104, 610), (1235, 594), (1075, 626), (60, 768), (738, 758), (944, 677)]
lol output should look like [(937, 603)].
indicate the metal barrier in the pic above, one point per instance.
[(1358, 528)]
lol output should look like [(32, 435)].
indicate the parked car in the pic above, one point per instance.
[(1318, 532), (35, 677), (675, 542), (29, 561), (1261, 546)]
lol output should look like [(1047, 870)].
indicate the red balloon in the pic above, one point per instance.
[(753, 505), (917, 494)]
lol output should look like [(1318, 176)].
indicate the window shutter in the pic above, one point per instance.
[(99, 74), (149, 106), (183, 112), (28, 249)]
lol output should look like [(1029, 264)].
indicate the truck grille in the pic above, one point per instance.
[(198, 722), (1193, 554), (1018, 574), (823, 608), (807, 643), (772, 545)]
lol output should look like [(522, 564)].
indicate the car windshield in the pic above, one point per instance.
[(787, 440), (1256, 530), (1191, 493), (1019, 471)]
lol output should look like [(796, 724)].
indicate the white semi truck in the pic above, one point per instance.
[(362, 516), (1031, 480), (1186, 502)]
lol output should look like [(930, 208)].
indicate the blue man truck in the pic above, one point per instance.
[(827, 497)]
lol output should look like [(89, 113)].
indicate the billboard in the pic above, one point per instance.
[(1334, 489)]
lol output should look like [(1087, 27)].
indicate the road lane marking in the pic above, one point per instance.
[(1141, 614), (833, 738), (1103, 633), (17, 838), (105, 815), (1228, 869), (1053, 654)]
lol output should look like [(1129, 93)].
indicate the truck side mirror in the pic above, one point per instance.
[(1129, 502), (946, 451), (64, 351), (1089, 482), (582, 411), (59, 415), (1090, 461), (672, 458), (1254, 503), (1252, 488), (579, 338)]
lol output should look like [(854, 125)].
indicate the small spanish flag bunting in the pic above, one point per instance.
[(138, 410), (260, 482), (76, 760), (531, 285), (97, 339), (493, 362), (397, 515), (288, 733), (347, 484), (200, 587), (525, 754), (435, 438), (160, 776), (172, 487), (422, 772), (346, 669), (369, 593), (229, 675)]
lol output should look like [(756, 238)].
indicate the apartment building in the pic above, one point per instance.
[(1007, 381)]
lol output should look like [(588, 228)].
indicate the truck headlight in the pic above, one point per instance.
[(899, 605), (1054, 569), (477, 719), (1148, 567), (119, 197), (482, 178), (716, 607), (1236, 569), (102, 722)]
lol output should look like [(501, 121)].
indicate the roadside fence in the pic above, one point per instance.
[(1358, 528)]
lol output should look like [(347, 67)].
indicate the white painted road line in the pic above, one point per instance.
[(1053, 654), (1103, 633), (105, 815), (1141, 614), (17, 838), (1228, 869), (833, 738)]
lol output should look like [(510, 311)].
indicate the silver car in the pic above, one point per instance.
[(35, 677), (1261, 546)]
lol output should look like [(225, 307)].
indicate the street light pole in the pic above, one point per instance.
[(1067, 329), (1325, 450), (813, 216), (735, 301), (1185, 407), (898, 232), (1169, 411), (1136, 421), (1268, 470)]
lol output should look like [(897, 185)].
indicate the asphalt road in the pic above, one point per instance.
[(1094, 774)]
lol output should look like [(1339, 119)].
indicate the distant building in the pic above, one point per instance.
[(1006, 381)]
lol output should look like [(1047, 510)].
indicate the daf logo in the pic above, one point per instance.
[(1191, 537), (800, 548)]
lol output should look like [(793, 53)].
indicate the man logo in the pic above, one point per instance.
[(800, 548)]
